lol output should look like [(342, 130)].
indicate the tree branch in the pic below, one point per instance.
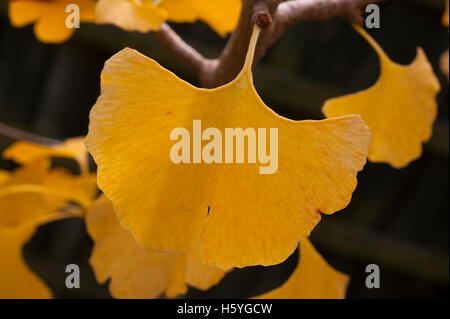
[(290, 13), (274, 17), (182, 50), (18, 135), (230, 62)]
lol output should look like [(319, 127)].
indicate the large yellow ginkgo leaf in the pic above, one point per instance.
[(238, 216), (24, 152), (49, 17), (313, 278), (399, 108), (134, 272)]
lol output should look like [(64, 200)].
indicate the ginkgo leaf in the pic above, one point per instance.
[(445, 15), (17, 208), (4, 175), (238, 216), (135, 272), (32, 193), (24, 152), (31, 196), (399, 108), (222, 15), (313, 278), (130, 15), (49, 17), (148, 15), (17, 280), (82, 188)]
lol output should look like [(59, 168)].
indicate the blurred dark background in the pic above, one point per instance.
[(398, 219)]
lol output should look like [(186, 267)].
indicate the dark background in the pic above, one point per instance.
[(398, 219)]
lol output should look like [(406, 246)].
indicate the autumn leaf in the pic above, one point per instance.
[(17, 280), (135, 272), (82, 188), (222, 16), (400, 108), (130, 15), (30, 196), (445, 15), (313, 278), (4, 175), (21, 195), (148, 15), (24, 152), (31, 193), (35, 189), (49, 17), (238, 216)]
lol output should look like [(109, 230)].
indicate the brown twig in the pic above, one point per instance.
[(177, 45), (230, 62), (18, 135), (274, 16), (290, 13)]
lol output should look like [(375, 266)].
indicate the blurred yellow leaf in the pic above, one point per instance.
[(49, 17), (16, 279), (130, 15), (222, 16), (30, 196), (24, 152), (237, 216), (313, 278), (400, 108), (445, 15), (34, 191), (82, 188), (134, 272), (4, 175), (17, 207), (148, 15)]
